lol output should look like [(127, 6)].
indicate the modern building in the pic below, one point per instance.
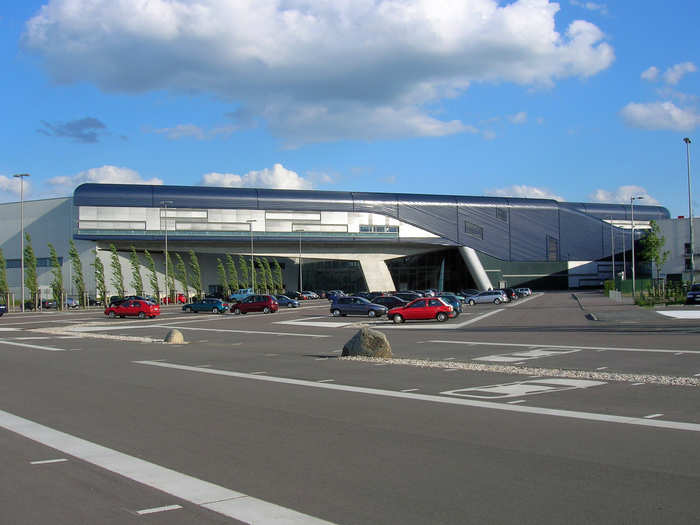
[(676, 233), (348, 240)]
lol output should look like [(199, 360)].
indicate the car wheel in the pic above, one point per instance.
[(266, 310), (371, 313), (441, 316), (398, 319), (188, 310), (112, 315), (122, 316), (472, 302), (215, 310), (236, 311), (336, 313), (290, 305), (496, 301), (142, 315)]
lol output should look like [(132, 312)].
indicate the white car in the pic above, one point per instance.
[(490, 296), (523, 291)]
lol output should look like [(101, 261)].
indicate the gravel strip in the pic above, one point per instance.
[(66, 330), (532, 371)]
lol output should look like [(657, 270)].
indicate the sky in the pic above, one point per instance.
[(573, 100)]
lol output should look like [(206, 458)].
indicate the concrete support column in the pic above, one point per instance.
[(376, 273), (475, 268)]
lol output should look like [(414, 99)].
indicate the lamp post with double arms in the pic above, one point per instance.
[(690, 213), (301, 288), (252, 264), (21, 176), (634, 281), (165, 204)]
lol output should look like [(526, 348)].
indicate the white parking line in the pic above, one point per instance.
[(35, 347), (570, 414), (219, 499), (598, 348), (410, 390), (326, 380), (651, 416), (47, 461), (158, 509)]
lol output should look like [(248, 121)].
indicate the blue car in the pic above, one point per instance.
[(215, 306), (354, 305), (3, 309), (283, 300)]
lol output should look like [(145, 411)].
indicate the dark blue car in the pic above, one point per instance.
[(283, 300), (354, 305), (3, 309)]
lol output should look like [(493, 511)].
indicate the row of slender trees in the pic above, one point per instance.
[(266, 275)]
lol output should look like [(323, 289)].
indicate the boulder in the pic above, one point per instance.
[(174, 337), (368, 343)]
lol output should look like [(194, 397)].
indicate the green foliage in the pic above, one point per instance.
[(117, 277), (4, 288), (136, 279), (100, 283), (277, 276), (261, 280), (153, 279), (170, 277), (223, 281), (243, 279), (651, 246), (77, 266), (196, 273), (608, 286), (232, 273), (57, 280), (181, 273), (268, 276), (31, 280)]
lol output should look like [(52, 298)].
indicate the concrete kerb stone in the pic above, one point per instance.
[(174, 337)]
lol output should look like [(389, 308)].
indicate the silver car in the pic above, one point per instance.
[(490, 296)]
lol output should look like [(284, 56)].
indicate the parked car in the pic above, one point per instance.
[(331, 294), (354, 305), (468, 292), (693, 295), (453, 301), (134, 308), (3, 309), (240, 294), (422, 309), (511, 294), (489, 296), (46, 304), (215, 306), (116, 300), (390, 301), (256, 303), (72, 302), (523, 292), (408, 296), (283, 300)]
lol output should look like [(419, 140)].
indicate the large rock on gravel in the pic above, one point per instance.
[(368, 343), (174, 337)]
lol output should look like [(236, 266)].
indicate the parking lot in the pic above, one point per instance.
[(533, 388)]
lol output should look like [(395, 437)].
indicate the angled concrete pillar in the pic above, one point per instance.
[(475, 268), (376, 273)]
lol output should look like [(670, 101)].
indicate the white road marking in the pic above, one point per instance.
[(326, 380), (318, 324), (651, 416), (47, 461), (570, 414), (679, 353), (516, 402), (637, 384), (519, 357), (602, 368), (411, 390), (436, 325), (220, 499), (679, 314), (271, 355), (523, 388), (256, 373), (27, 345), (599, 348), (158, 509), (202, 366), (696, 375), (289, 334), (31, 338), (5, 329)]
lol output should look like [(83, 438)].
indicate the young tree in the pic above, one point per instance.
[(170, 276), (31, 280), (136, 279), (268, 276), (232, 273), (57, 280), (651, 247), (243, 276), (181, 273), (100, 285), (117, 277), (277, 275), (153, 280), (223, 281), (196, 273), (261, 279), (77, 266), (3, 275)]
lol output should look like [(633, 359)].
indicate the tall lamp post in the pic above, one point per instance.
[(21, 176), (612, 250), (690, 214), (301, 287), (252, 264), (634, 282), (165, 204)]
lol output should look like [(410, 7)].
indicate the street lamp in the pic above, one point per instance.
[(690, 214), (252, 264), (21, 176), (612, 250), (165, 204), (301, 288), (634, 282)]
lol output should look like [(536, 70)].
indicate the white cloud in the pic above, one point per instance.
[(10, 188), (622, 195), (523, 191), (278, 177), (518, 118), (104, 175), (660, 115), (674, 74), (182, 131), (591, 6), (317, 71), (650, 74)]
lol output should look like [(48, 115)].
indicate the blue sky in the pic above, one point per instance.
[(578, 101)]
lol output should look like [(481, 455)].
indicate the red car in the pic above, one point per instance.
[(256, 303), (135, 308), (423, 308)]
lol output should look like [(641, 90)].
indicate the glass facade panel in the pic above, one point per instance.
[(334, 275), (424, 271)]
